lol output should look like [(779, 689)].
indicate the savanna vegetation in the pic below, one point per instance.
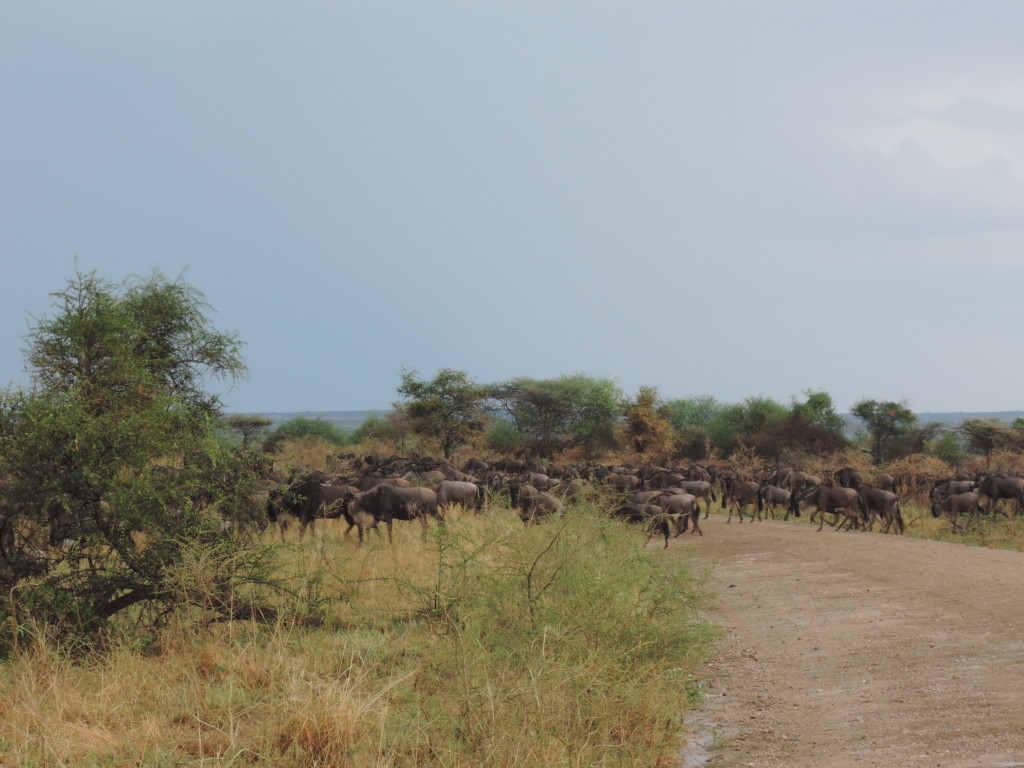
[(151, 615)]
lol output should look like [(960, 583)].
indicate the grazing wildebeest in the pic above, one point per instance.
[(773, 497), (388, 503), (683, 507), (998, 487), (942, 488), (533, 504), (953, 506), (702, 489), (452, 492), (308, 501), (878, 503), (822, 499), (570, 489), (654, 519), (740, 494)]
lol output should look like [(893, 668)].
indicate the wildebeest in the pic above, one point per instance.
[(772, 498), (822, 499), (388, 503), (308, 501), (942, 488), (622, 481), (451, 492), (878, 503), (702, 489), (533, 504), (740, 494), (683, 507), (848, 477), (998, 487), (654, 519), (957, 504)]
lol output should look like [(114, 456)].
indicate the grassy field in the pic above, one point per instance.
[(487, 643)]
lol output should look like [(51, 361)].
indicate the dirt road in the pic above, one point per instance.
[(858, 649)]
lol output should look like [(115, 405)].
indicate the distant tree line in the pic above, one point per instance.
[(543, 418)]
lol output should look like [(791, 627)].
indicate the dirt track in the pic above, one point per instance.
[(858, 649)]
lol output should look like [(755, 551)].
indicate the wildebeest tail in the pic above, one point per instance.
[(899, 518)]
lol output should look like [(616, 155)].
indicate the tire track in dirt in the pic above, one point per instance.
[(859, 649)]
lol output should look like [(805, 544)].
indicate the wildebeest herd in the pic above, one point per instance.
[(665, 500)]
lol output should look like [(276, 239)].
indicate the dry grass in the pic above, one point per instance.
[(485, 644)]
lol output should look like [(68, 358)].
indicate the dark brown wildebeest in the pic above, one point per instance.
[(308, 501), (957, 504), (622, 481), (697, 472), (822, 499), (740, 494), (943, 488), (388, 503), (878, 503), (533, 504), (654, 519), (772, 498), (848, 477), (995, 488)]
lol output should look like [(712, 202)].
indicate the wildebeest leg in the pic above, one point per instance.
[(695, 519)]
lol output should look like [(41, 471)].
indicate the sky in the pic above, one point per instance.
[(726, 198)]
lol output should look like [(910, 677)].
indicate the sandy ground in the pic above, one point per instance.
[(860, 649)]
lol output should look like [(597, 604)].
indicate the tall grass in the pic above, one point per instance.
[(486, 643)]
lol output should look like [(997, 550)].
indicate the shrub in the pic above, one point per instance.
[(302, 427)]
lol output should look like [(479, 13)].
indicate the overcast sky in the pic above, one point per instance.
[(732, 198)]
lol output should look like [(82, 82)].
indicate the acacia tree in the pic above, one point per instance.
[(448, 408), (553, 415), (890, 426), (110, 462), (986, 436), (248, 427)]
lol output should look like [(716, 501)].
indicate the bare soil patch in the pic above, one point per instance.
[(859, 649)]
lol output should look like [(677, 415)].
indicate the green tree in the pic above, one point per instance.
[(813, 425), (553, 415), (891, 428), (948, 446), (692, 418), (449, 408), (112, 470)]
